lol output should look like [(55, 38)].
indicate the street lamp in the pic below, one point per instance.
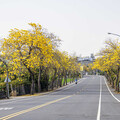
[(114, 34)]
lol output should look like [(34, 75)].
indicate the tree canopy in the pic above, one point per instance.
[(34, 61)]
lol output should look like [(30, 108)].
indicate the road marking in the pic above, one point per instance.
[(31, 97), (73, 85), (99, 106), (33, 108), (6, 108), (65, 88), (19, 100), (110, 91)]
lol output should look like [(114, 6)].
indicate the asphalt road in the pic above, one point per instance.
[(90, 99)]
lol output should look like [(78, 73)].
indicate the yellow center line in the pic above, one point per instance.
[(33, 108)]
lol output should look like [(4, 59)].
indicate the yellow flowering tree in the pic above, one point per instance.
[(109, 62), (27, 49)]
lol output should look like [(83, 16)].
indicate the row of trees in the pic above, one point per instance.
[(109, 62), (33, 62)]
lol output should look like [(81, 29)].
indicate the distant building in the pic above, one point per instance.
[(86, 60)]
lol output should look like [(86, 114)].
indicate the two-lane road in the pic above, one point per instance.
[(90, 99)]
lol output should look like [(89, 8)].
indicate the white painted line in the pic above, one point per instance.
[(7, 108), (99, 106), (110, 91), (31, 97), (72, 85), (18, 100), (67, 87)]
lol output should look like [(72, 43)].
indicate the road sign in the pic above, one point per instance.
[(81, 68), (6, 80)]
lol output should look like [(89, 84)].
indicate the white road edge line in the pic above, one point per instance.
[(110, 91), (31, 97), (99, 106), (18, 100), (73, 85), (70, 86)]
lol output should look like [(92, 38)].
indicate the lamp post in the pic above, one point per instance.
[(118, 36), (114, 34)]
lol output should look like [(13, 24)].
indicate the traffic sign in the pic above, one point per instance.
[(6, 80), (81, 68)]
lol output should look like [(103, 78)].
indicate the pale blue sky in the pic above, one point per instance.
[(81, 24)]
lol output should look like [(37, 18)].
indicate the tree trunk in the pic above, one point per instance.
[(70, 77), (110, 79), (11, 88), (54, 78), (31, 76), (32, 85), (113, 83), (58, 79), (64, 81), (61, 81), (46, 79), (66, 76), (39, 80), (117, 81), (22, 90)]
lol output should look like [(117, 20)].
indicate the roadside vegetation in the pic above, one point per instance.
[(34, 63), (108, 63)]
